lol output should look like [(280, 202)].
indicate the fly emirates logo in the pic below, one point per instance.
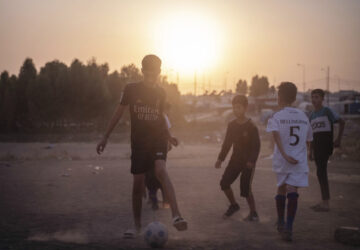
[(146, 113)]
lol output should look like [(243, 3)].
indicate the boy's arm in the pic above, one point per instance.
[(334, 117), (310, 144), (173, 140), (255, 148), (224, 148), (278, 142), (311, 150), (114, 120), (337, 141)]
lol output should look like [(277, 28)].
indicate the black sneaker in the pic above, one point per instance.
[(231, 210), (280, 226), (153, 201), (252, 217), (286, 235)]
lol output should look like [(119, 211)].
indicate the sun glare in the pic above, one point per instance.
[(188, 43)]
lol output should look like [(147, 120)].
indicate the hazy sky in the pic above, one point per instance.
[(221, 40)]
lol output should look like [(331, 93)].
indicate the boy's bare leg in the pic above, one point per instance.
[(137, 195), (251, 202), (167, 186), (230, 195), (291, 189), (165, 199), (282, 189)]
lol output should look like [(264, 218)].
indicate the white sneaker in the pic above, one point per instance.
[(179, 223)]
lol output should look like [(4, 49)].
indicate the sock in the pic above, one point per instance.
[(291, 209), (280, 206), (152, 195)]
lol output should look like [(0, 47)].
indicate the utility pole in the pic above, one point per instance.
[(303, 75), (195, 84), (328, 84), (327, 71), (234, 80), (203, 83), (225, 81)]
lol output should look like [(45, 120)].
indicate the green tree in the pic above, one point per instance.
[(259, 86), (77, 78), (95, 94), (49, 94), (130, 73), (272, 90), (7, 102), (173, 99), (27, 76), (241, 87)]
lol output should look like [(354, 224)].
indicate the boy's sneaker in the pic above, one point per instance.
[(320, 208), (153, 200), (280, 226), (154, 205), (179, 223), (132, 233), (252, 217), (165, 204), (286, 235), (233, 208)]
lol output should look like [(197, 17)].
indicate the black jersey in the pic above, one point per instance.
[(146, 104), (245, 141), (322, 123)]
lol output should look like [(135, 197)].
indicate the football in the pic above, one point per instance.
[(156, 235)]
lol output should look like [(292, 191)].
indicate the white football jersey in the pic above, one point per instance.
[(295, 130)]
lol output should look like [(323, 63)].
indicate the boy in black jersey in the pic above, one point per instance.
[(243, 135), (149, 138), (322, 121)]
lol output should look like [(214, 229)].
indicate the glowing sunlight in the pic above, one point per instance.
[(189, 43)]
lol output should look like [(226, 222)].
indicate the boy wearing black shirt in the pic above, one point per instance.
[(149, 138), (243, 135), (322, 121)]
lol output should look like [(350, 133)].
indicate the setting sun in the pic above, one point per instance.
[(188, 42)]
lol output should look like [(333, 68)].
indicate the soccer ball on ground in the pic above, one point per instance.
[(156, 234)]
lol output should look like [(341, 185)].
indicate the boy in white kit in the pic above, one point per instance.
[(292, 132)]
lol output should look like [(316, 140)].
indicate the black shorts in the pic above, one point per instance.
[(232, 171), (144, 160)]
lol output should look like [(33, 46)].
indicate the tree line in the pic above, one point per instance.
[(80, 95), (61, 96), (259, 87)]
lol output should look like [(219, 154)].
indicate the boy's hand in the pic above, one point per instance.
[(337, 143), (311, 156), (169, 146), (173, 141), (290, 159), (101, 145), (218, 164), (250, 165)]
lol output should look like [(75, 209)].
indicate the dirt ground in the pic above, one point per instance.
[(64, 196)]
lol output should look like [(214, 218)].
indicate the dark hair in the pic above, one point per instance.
[(151, 62), (240, 99), (319, 92), (287, 92)]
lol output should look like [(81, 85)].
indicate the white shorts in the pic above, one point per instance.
[(293, 179)]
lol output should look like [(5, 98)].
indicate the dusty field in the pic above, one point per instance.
[(64, 196)]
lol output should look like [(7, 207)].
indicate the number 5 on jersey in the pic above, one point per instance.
[(293, 130)]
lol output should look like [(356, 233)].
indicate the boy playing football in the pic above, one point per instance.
[(243, 136), (291, 130), (149, 137)]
